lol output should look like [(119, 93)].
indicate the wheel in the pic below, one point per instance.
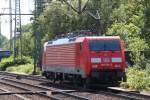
[(47, 76), (87, 82)]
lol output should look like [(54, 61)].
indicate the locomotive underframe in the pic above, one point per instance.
[(69, 70), (78, 74), (114, 75)]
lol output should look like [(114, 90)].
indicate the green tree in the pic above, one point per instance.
[(3, 41), (59, 18), (27, 40), (128, 22), (146, 28)]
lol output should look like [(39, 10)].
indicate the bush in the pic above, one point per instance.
[(27, 68), (24, 65), (136, 79), (7, 62), (136, 45)]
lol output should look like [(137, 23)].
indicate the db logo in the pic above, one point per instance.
[(106, 60)]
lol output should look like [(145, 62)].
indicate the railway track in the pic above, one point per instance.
[(27, 88), (77, 93), (133, 95)]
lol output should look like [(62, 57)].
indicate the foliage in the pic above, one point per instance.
[(59, 18), (7, 62), (128, 21), (53, 21), (137, 79), (28, 44), (146, 28), (136, 45), (25, 69), (3, 41), (125, 31), (27, 40)]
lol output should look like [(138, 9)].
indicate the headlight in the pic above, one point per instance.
[(116, 59), (95, 60)]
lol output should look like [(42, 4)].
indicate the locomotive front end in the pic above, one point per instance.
[(107, 60)]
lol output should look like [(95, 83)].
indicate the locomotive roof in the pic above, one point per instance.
[(103, 37), (78, 39)]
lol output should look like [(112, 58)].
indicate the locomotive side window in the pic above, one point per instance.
[(104, 45)]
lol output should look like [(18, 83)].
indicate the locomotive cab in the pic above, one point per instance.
[(106, 59)]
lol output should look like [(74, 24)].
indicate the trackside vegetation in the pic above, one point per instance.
[(24, 65), (137, 79), (7, 62), (129, 19), (3, 40)]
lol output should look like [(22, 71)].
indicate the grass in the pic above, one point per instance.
[(7, 62), (27, 69), (24, 69), (24, 65)]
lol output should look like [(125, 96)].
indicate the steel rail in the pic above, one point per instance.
[(47, 89), (15, 95), (26, 92), (123, 94), (24, 76), (118, 95), (41, 80), (130, 94), (25, 89), (127, 93)]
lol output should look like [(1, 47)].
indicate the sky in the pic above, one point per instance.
[(27, 6)]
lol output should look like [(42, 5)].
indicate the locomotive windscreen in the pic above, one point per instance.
[(104, 45)]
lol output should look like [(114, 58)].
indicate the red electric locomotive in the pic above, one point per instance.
[(85, 58)]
